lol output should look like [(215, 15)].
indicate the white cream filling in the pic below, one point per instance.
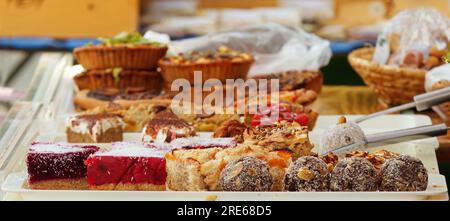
[(162, 134), (100, 126)]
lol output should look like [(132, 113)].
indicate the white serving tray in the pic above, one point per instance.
[(437, 190), (423, 149)]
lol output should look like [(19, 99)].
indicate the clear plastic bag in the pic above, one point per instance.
[(441, 73), (412, 37), (276, 48)]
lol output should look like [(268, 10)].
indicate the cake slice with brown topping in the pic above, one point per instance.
[(94, 128), (165, 127)]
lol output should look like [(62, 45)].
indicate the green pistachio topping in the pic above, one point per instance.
[(115, 73), (446, 58), (134, 38)]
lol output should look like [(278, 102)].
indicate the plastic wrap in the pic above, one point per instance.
[(441, 73), (275, 47), (412, 37)]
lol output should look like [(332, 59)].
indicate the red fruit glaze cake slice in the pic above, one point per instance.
[(128, 166), (57, 165), (203, 142)]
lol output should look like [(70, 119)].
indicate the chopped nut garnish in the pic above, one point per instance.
[(305, 174), (211, 198), (377, 158), (342, 120)]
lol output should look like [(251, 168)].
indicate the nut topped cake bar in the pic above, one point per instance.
[(57, 165), (128, 166), (280, 135), (94, 128)]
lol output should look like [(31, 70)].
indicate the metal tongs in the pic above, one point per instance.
[(421, 102), (396, 136)]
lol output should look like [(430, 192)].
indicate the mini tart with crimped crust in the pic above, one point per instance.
[(294, 80), (222, 64), (119, 79), (125, 50)]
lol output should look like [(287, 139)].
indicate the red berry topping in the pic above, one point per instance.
[(302, 119)]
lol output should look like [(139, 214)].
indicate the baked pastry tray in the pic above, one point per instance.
[(14, 189)]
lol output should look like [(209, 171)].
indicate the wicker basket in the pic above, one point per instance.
[(393, 85)]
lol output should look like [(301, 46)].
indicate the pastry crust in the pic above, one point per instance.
[(119, 79), (294, 80), (85, 102), (59, 184), (121, 55)]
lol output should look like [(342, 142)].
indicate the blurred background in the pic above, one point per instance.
[(31, 28), (36, 34)]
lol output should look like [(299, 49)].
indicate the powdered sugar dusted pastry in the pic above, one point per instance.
[(94, 128), (342, 134), (57, 165)]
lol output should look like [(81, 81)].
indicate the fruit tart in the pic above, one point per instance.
[(125, 50), (223, 63)]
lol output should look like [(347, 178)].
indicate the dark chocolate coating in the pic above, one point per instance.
[(403, 173), (307, 173), (354, 174)]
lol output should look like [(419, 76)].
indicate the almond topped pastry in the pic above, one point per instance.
[(377, 158), (331, 160), (165, 127), (280, 135)]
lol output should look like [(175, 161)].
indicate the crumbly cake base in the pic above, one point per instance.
[(110, 135), (199, 169), (129, 187), (59, 184)]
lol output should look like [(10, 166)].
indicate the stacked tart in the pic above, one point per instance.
[(119, 66), (294, 80), (224, 63)]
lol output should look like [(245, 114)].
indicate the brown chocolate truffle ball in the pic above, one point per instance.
[(246, 174), (354, 174), (307, 173), (403, 173)]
